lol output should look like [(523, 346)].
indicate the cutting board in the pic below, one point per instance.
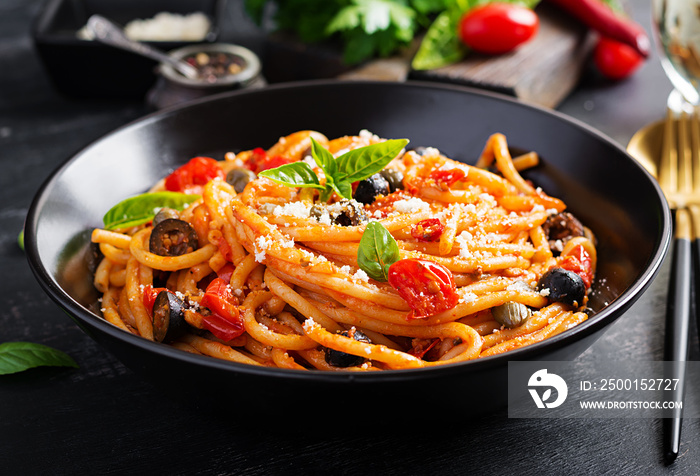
[(543, 71)]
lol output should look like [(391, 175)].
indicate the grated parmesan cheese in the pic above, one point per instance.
[(411, 205)]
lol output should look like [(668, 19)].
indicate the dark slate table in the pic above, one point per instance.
[(103, 419)]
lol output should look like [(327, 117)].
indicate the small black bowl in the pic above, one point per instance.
[(85, 69), (602, 185)]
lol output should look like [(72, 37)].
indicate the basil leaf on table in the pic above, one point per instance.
[(378, 250), (142, 208), (19, 356)]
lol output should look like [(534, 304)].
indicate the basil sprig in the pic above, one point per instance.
[(19, 356), (357, 164), (142, 208), (378, 250)]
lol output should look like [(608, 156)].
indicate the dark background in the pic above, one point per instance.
[(103, 419)]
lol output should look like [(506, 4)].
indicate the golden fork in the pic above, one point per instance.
[(679, 178)]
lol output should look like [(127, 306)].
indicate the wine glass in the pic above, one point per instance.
[(677, 31)]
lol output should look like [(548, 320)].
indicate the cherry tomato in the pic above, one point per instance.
[(219, 299), (259, 161), (191, 177), (221, 328), (447, 177), (615, 60), (426, 286), (496, 28), (149, 297), (225, 272), (429, 229), (579, 262)]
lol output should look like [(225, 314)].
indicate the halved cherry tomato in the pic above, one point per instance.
[(447, 177), (579, 262), (426, 286), (224, 321), (222, 328), (259, 161), (496, 28), (429, 229), (219, 299), (194, 175), (615, 60)]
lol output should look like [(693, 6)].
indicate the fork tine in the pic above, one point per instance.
[(669, 155)]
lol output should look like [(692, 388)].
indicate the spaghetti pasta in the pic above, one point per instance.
[(446, 263)]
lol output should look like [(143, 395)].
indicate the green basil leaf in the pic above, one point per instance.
[(296, 174), (20, 356), (343, 188), (142, 208), (324, 159), (378, 250), (359, 164)]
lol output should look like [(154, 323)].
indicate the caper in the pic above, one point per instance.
[(238, 178), (164, 214), (511, 314), (394, 177)]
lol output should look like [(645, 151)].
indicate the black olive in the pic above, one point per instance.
[(238, 178), (168, 317), (347, 213), (173, 237), (394, 177), (561, 228), (163, 214), (369, 188), (511, 314), (337, 358), (93, 256), (564, 286)]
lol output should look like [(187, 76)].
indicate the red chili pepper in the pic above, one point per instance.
[(421, 349), (429, 229), (600, 17), (426, 286), (448, 177)]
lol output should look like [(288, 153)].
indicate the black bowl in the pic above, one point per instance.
[(602, 185)]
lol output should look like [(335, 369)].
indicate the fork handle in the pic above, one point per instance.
[(678, 315)]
